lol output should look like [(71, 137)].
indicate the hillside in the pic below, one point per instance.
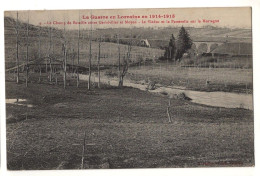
[(159, 38), (42, 36)]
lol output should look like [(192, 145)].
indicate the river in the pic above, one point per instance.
[(216, 99)]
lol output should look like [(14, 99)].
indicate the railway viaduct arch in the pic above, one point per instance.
[(207, 44)]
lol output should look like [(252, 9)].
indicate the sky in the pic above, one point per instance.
[(231, 17)]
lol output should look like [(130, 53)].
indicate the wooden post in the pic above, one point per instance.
[(65, 67), (119, 70), (65, 60), (99, 62), (50, 53), (39, 53), (83, 151), (90, 55), (17, 49), (27, 50), (168, 111), (78, 55)]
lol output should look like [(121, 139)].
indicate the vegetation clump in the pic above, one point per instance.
[(176, 49)]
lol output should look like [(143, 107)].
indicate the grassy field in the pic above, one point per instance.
[(109, 53), (125, 128), (219, 79)]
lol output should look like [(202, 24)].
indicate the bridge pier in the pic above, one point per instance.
[(209, 45)]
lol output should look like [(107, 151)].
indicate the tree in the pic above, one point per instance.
[(170, 51), (124, 67), (184, 43), (125, 64)]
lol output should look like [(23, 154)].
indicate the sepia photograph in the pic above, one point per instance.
[(129, 88)]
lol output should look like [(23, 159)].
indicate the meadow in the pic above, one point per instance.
[(194, 78), (125, 128)]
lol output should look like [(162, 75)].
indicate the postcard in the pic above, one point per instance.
[(129, 88)]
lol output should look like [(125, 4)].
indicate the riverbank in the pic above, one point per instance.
[(193, 78), (215, 99)]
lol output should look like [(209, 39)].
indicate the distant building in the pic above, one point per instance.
[(145, 43)]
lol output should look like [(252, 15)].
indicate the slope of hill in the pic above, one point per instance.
[(34, 41), (49, 41), (159, 38)]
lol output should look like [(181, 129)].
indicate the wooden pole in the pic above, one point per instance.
[(119, 69), (39, 53), (83, 151), (99, 62), (65, 60), (50, 53), (90, 55), (27, 50), (17, 49), (65, 67), (168, 111), (78, 54)]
